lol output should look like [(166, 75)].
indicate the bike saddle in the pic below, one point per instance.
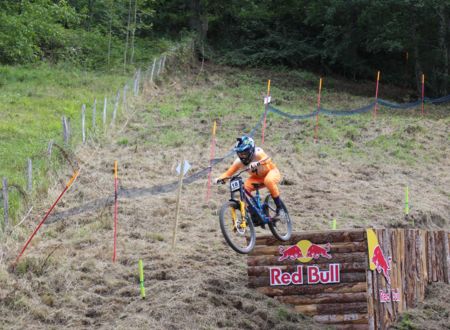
[(257, 185)]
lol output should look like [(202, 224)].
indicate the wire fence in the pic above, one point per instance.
[(151, 76), (152, 73)]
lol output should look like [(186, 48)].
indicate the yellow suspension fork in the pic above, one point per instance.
[(243, 223), (234, 216)]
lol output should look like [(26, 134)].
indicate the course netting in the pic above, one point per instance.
[(102, 203)]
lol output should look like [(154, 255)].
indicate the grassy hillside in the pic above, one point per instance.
[(356, 173), (32, 103)]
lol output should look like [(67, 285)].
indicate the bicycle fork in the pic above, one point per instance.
[(243, 223)]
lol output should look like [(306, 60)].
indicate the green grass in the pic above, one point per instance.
[(32, 103)]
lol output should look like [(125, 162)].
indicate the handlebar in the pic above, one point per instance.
[(222, 181)]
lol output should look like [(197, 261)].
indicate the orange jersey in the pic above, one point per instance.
[(262, 170)]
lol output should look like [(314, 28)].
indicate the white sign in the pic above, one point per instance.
[(267, 100), (187, 166)]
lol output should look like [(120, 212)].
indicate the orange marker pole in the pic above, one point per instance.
[(376, 96), (266, 103), (115, 208), (213, 149), (74, 176), (423, 92), (318, 110)]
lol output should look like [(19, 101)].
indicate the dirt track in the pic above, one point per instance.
[(70, 280)]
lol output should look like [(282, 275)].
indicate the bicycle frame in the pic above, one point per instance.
[(253, 202)]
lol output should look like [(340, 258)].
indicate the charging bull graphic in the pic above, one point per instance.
[(377, 258), (315, 251), (381, 263), (304, 251), (290, 252)]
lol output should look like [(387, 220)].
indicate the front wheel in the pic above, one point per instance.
[(239, 234), (281, 228)]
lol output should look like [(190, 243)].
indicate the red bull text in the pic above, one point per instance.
[(385, 296), (313, 275)]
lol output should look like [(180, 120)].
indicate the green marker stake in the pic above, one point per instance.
[(406, 200), (141, 278), (333, 224)]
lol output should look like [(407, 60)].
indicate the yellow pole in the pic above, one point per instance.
[(141, 278)]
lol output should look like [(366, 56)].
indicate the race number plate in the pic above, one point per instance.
[(235, 185)]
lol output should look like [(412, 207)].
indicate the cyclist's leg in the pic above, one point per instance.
[(248, 184), (271, 181)]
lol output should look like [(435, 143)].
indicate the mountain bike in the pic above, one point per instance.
[(241, 214)]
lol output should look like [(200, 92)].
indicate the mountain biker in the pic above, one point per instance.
[(262, 170)]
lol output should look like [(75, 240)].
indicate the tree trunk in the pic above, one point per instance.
[(443, 47), (133, 31), (128, 34), (110, 32), (198, 19)]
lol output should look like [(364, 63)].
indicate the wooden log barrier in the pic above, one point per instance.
[(351, 279)]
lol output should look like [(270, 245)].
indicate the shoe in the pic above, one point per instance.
[(276, 217)]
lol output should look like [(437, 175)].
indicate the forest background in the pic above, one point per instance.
[(402, 38)]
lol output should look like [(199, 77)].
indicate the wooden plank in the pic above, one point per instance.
[(313, 289), (421, 265), (370, 300), (324, 298), (385, 310), (351, 327), (439, 256), (429, 258), (342, 247), (446, 256), (336, 258), (258, 281), (433, 258), (354, 318), (317, 237), (317, 309), (352, 267)]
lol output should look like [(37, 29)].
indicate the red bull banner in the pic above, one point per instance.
[(305, 251)]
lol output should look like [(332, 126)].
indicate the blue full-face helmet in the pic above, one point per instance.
[(245, 149)]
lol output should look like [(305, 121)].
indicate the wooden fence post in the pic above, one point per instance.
[(105, 104), (83, 122), (5, 203), (124, 99), (153, 70), (116, 105), (66, 132), (30, 176), (159, 67), (180, 185), (164, 63), (94, 114), (136, 82), (49, 148)]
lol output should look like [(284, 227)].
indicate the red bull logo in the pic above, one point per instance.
[(381, 263), (377, 259), (304, 251)]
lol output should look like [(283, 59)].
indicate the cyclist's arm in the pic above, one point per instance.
[(236, 166)]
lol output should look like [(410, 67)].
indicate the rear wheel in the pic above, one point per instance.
[(282, 227), (241, 237)]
